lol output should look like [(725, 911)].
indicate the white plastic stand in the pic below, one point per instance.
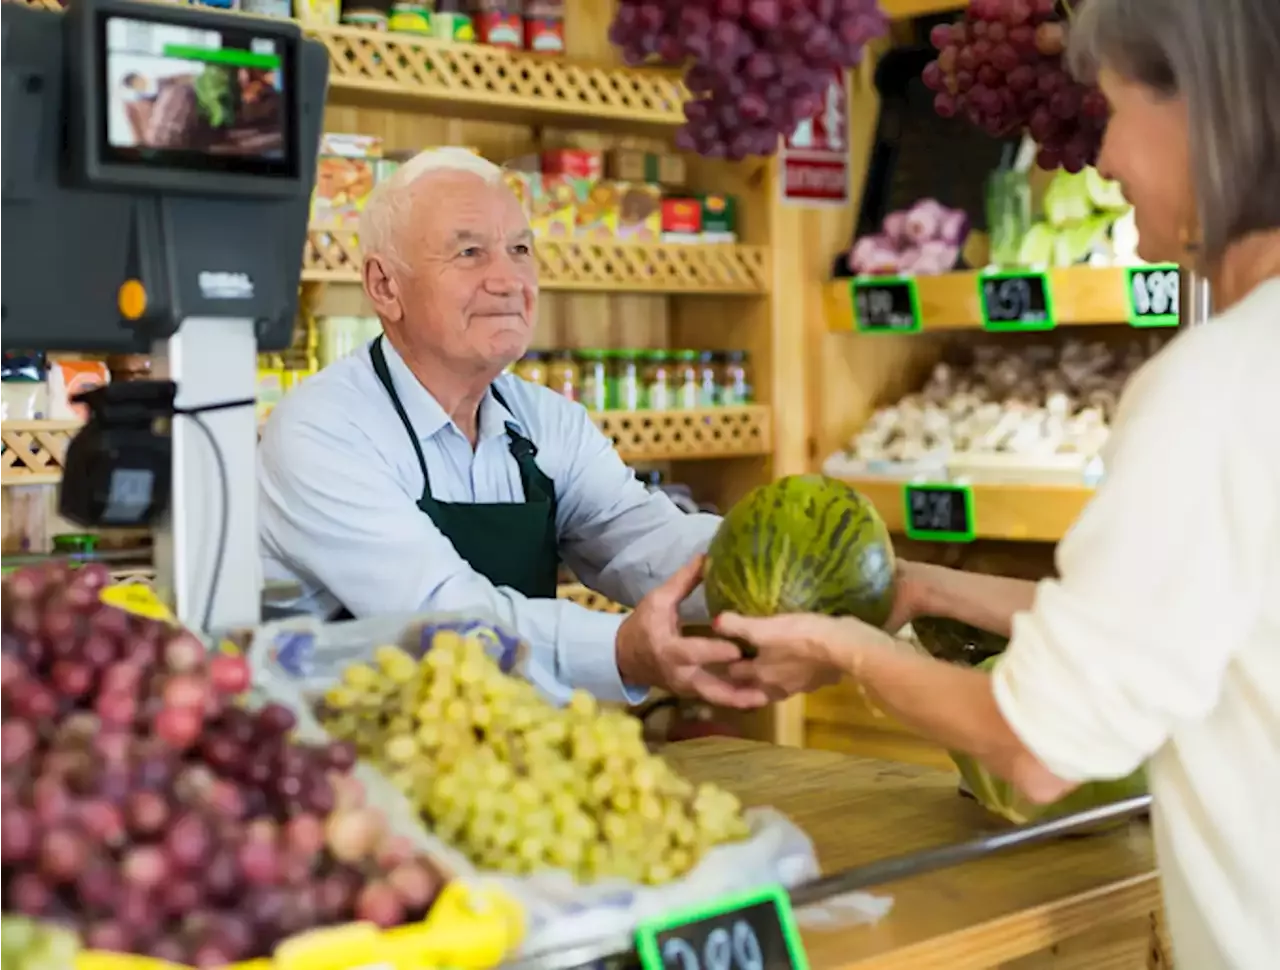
[(212, 360)]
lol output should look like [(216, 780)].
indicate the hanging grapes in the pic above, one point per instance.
[(756, 68), (1002, 67)]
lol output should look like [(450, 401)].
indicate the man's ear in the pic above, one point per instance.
[(382, 289)]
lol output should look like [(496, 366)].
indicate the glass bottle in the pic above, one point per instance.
[(735, 384), (593, 385), (684, 380), (563, 374), (627, 390), (532, 367), (657, 380), (709, 370)]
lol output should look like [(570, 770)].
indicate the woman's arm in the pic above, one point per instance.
[(987, 602)]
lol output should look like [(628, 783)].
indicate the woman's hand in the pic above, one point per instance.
[(912, 587), (799, 652)]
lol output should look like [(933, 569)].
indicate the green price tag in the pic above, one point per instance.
[(939, 513), (1016, 300), (752, 930), (1154, 295), (885, 304)]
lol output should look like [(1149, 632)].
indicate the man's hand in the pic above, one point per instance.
[(652, 652)]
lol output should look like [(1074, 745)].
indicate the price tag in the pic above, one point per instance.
[(1154, 295), (885, 304), (940, 513), (1015, 301), (754, 930), (137, 599)]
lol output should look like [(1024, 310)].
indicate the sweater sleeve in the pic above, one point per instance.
[(1159, 580)]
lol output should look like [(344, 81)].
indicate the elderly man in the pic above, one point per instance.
[(412, 476)]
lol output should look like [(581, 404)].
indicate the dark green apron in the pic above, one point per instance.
[(511, 544)]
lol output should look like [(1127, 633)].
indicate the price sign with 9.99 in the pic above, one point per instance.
[(754, 930), (1154, 295)]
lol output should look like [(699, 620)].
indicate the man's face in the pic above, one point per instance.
[(470, 294)]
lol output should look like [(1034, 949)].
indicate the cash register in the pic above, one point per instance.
[(157, 168)]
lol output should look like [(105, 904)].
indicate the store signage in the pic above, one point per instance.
[(1154, 295), (1015, 301), (939, 513), (753, 930), (885, 304), (814, 159)]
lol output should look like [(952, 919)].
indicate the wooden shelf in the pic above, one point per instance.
[(371, 68), (1082, 295), (33, 451), (332, 256), (691, 435), (1031, 513)]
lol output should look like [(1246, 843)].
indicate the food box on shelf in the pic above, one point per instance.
[(704, 219), (544, 26), (346, 172), (634, 165)]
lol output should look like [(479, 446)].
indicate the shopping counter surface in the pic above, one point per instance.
[(1083, 903)]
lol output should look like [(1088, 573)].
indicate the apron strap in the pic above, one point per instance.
[(379, 360), (534, 479)]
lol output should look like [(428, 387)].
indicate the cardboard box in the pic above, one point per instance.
[(719, 218), (346, 172), (639, 211), (632, 165), (577, 163), (681, 217)]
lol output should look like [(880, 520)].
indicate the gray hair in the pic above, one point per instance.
[(386, 210), (1222, 56)]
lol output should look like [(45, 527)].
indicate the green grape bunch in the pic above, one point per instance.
[(518, 784)]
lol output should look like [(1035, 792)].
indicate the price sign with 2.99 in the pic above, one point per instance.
[(1154, 295), (1015, 301), (754, 930)]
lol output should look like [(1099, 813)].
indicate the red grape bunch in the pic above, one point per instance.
[(1002, 67), (146, 809), (756, 68)]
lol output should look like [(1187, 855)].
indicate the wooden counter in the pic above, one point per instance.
[(1084, 903)]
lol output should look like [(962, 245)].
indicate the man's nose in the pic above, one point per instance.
[(504, 277)]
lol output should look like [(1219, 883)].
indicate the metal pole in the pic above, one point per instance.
[(1195, 301)]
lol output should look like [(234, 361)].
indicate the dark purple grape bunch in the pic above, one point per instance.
[(756, 68), (1001, 66), (149, 811)]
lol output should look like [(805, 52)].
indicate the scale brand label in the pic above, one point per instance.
[(225, 286)]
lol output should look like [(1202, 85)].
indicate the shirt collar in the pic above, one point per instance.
[(424, 411)]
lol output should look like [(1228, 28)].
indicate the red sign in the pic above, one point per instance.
[(815, 157)]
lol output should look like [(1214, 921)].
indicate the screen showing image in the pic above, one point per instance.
[(195, 96)]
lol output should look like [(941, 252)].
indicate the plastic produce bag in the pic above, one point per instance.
[(294, 661)]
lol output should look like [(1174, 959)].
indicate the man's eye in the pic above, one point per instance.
[(470, 252), (522, 249)]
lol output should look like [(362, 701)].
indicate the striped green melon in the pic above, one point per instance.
[(1002, 799), (802, 544)]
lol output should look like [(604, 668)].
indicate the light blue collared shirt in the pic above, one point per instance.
[(338, 484)]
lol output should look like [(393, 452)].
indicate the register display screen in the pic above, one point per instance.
[(198, 98)]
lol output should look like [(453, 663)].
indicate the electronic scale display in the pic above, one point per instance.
[(194, 97)]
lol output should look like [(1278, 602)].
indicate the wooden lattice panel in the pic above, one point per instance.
[(672, 435), (496, 83), (33, 451), (333, 256), (589, 598)]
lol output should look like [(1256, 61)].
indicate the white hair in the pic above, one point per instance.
[(385, 208)]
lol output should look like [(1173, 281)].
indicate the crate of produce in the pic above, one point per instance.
[(518, 784)]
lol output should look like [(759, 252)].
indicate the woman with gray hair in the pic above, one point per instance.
[(1159, 642)]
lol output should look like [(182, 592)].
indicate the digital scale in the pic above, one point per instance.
[(157, 172)]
